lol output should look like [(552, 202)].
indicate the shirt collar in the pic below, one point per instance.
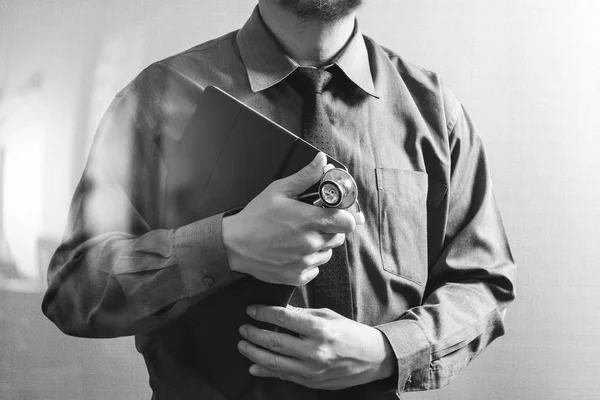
[(354, 61), (267, 63)]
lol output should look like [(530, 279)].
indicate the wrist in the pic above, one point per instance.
[(388, 362), (228, 230)]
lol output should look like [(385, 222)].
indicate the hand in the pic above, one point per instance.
[(278, 239), (332, 352)]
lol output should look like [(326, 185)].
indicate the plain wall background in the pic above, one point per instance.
[(528, 71)]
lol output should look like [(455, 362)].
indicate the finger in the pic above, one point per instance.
[(294, 308), (277, 363), (333, 220), (328, 167), (318, 258), (314, 241), (299, 182), (309, 275), (357, 213), (333, 240), (262, 372), (288, 318), (276, 342), (320, 313)]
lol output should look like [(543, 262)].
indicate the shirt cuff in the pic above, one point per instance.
[(412, 350), (202, 256)]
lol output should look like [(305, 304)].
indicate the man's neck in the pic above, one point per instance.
[(309, 43)]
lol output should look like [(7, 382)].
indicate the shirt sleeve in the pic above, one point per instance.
[(116, 273), (469, 285)]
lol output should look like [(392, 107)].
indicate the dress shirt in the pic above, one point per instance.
[(430, 268)]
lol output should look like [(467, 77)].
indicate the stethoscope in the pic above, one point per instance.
[(338, 189)]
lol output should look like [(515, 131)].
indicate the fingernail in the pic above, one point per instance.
[(243, 331), (253, 369), (251, 311), (241, 347), (317, 160)]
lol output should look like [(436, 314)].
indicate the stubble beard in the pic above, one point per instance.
[(320, 10)]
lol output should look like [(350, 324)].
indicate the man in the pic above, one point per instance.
[(428, 276)]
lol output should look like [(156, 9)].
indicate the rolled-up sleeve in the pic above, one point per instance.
[(469, 285)]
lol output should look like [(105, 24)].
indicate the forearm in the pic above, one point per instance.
[(432, 343), (116, 284)]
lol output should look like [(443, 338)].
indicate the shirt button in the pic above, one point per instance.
[(208, 280)]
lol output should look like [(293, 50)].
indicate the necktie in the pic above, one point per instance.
[(331, 288)]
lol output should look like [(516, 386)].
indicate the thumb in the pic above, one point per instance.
[(296, 184)]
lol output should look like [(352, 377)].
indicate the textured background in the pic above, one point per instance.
[(528, 71)]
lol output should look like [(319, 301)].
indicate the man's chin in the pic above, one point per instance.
[(320, 10)]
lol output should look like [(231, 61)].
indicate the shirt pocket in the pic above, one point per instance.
[(402, 219)]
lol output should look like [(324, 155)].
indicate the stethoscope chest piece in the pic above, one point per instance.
[(338, 189)]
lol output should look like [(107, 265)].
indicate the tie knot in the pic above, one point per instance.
[(310, 80)]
